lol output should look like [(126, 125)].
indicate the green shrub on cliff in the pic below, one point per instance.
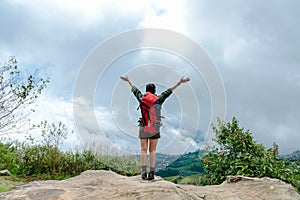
[(237, 153)]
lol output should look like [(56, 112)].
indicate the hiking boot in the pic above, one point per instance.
[(144, 175), (151, 175)]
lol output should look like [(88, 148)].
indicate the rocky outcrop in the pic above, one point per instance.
[(109, 185)]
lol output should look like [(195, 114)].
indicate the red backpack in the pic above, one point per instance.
[(151, 113)]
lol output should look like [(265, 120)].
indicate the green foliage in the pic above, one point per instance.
[(7, 183), (53, 134), (48, 162), (17, 92), (44, 160), (7, 155), (239, 154)]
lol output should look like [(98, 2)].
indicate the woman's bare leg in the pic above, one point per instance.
[(144, 147), (152, 150)]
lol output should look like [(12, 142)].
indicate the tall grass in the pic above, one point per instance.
[(44, 159), (48, 162)]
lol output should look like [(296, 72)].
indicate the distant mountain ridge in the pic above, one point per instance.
[(163, 160), (188, 168), (185, 165), (295, 156)]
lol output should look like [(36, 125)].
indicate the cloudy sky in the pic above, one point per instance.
[(253, 45)]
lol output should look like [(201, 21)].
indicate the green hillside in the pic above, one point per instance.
[(164, 160), (185, 165)]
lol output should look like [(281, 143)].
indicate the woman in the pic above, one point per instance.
[(147, 140)]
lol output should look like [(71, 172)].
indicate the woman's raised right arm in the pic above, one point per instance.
[(137, 93), (125, 78)]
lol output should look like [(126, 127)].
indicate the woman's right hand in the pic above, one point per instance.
[(184, 80)]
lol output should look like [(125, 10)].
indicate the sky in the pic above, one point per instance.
[(250, 50)]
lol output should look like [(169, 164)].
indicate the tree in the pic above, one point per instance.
[(17, 92), (53, 134), (239, 154)]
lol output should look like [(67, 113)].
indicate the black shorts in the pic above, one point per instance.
[(143, 135)]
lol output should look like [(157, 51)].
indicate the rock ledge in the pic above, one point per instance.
[(109, 185)]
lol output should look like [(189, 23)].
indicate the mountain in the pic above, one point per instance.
[(295, 156), (185, 165), (163, 160)]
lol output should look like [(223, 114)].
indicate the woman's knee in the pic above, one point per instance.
[(152, 150), (152, 146), (144, 150), (144, 145)]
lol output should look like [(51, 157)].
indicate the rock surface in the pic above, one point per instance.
[(4, 173), (109, 185)]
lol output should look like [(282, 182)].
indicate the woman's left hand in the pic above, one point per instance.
[(124, 78)]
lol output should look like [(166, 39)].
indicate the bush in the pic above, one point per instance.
[(239, 154), (48, 162), (7, 156), (44, 159)]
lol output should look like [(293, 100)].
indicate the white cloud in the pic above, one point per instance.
[(85, 111), (84, 14), (166, 15), (87, 14), (87, 132), (178, 141)]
